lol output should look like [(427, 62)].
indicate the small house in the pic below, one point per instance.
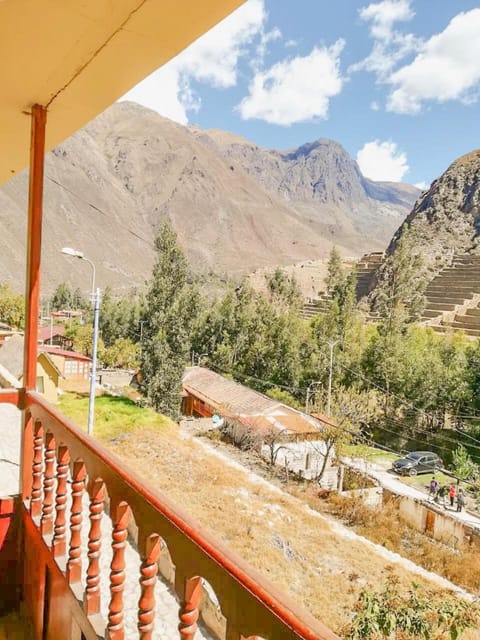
[(74, 367), (281, 433), (54, 335), (11, 371)]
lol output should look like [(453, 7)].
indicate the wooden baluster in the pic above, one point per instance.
[(115, 630), (74, 564), (59, 543), (46, 523), (189, 609), (92, 591), (37, 467), (148, 579)]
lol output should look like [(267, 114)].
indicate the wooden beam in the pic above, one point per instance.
[(34, 244), (32, 284)]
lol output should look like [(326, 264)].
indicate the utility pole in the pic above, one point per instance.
[(93, 376)]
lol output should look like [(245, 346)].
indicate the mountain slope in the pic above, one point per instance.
[(322, 180), (446, 219), (234, 206)]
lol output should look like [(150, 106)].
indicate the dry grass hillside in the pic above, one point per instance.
[(317, 561)]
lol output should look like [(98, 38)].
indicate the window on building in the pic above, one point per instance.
[(40, 384)]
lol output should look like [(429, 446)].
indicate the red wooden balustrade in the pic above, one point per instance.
[(36, 500), (92, 591), (59, 545), (74, 564), (252, 607), (46, 523), (189, 610), (150, 554), (117, 574)]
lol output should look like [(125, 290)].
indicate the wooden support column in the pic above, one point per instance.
[(34, 244), (32, 283)]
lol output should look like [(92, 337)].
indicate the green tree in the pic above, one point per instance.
[(12, 307), (463, 465), (171, 305), (63, 297), (122, 353), (283, 290), (81, 336), (399, 296), (335, 271), (120, 317)]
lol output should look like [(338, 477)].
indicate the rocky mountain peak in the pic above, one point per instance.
[(446, 218)]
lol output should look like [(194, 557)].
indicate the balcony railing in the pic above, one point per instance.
[(82, 506)]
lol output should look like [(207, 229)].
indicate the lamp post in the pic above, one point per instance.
[(95, 299)]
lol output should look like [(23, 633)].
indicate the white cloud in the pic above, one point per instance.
[(382, 161), (296, 89), (421, 185), (211, 59), (390, 45), (374, 106), (161, 91), (446, 68), (383, 16)]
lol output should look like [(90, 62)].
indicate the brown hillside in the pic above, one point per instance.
[(108, 188)]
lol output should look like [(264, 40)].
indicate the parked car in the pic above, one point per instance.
[(417, 462)]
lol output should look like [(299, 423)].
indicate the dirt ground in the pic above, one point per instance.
[(320, 564)]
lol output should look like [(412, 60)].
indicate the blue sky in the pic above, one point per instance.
[(396, 82)]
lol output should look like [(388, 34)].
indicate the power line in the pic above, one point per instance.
[(93, 206)]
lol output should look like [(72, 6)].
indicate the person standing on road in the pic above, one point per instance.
[(460, 500), (451, 494), (433, 488), (442, 494)]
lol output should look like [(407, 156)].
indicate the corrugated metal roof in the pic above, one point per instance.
[(225, 393), (251, 407)]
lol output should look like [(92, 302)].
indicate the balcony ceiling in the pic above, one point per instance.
[(79, 56)]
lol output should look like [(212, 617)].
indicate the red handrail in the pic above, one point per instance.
[(301, 623)]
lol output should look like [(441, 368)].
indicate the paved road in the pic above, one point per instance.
[(389, 480)]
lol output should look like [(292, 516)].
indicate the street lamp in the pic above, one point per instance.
[(68, 251)]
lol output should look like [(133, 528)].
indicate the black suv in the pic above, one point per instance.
[(417, 462)]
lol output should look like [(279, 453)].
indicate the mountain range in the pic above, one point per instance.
[(234, 205)]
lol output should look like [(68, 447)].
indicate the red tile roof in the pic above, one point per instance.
[(44, 333)]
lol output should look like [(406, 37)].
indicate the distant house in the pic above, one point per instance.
[(206, 393), (11, 369), (74, 367), (67, 315), (54, 335), (283, 435)]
